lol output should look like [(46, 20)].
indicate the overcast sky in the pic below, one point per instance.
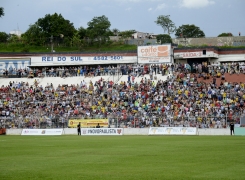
[(212, 16)]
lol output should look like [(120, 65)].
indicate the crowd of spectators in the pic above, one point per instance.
[(91, 71), (182, 100), (99, 70), (14, 72)]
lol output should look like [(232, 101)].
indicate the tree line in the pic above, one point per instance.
[(55, 29)]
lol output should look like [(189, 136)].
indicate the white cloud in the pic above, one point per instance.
[(128, 9), (196, 3), (150, 9), (161, 6)]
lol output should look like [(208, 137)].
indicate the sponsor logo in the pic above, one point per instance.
[(154, 130), (43, 131), (155, 51), (102, 131), (119, 131), (183, 130), (192, 54), (169, 130), (163, 50)]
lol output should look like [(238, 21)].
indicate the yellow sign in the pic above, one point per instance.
[(87, 123)]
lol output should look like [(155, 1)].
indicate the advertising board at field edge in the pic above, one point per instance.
[(102, 131), (154, 54), (2, 131), (87, 123), (42, 132), (172, 131)]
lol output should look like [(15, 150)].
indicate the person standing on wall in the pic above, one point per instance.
[(232, 127), (79, 129)]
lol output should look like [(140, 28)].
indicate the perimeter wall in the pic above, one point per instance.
[(145, 131)]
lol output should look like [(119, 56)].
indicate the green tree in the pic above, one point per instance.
[(126, 34), (225, 35), (76, 40), (3, 37), (98, 29), (14, 39), (164, 38), (56, 25), (1, 11), (51, 25), (189, 31), (82, 32), (34, 35), (166, 23)]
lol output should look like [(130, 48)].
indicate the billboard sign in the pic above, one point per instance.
[(86, 123), (154, 54), (102, 131), (195, 54), (81, 60), (13, 64), (41, 132)]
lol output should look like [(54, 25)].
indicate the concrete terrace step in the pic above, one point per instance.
[(124, 78), (74, 80), (54, 80)]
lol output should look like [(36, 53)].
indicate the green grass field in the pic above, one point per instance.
[(124, 157)]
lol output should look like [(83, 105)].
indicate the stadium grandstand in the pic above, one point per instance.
[(131, 90)]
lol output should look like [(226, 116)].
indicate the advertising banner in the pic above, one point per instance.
[(13, 64), (87, 123), (195, 54), (102, 131), (172, 131), (154, 54), (240, 131), (81, 60), (42, 132), (2, 131)]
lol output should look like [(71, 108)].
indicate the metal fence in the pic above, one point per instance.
[(115, 120)]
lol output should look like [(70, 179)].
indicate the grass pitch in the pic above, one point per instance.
[(124, 157)]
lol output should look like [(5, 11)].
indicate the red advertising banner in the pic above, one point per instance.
[(2, 131)]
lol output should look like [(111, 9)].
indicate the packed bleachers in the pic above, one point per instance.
[(163, 95)]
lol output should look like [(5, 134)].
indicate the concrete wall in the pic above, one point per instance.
[(211, 41), (143, 131)]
